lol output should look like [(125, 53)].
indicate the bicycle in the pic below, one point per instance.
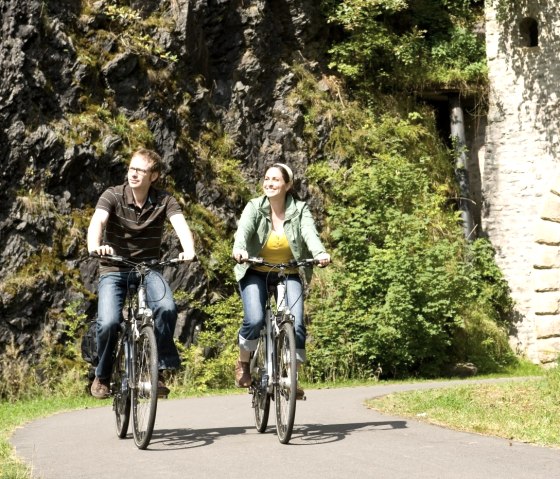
[(273, 364), (134, 378)]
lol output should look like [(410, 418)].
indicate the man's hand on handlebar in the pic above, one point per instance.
[(103, 250), (187, 256)]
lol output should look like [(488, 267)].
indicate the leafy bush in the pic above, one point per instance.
[(209, 364), (397, 44), (408, 293), (58, 369)]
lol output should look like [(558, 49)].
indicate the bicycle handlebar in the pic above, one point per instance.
[(121, 259), (290, 264)]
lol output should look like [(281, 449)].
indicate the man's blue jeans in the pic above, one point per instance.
[(253, 293), (112, 292)]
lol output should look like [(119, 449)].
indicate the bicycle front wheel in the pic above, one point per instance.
[(261, 398), (121, 391), (144, 392), (285, 388)]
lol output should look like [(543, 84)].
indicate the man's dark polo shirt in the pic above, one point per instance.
[(134, 232)]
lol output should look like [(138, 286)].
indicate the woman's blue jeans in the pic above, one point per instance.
[(253, 287), (112, 292)]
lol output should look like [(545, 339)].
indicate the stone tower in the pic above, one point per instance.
[(518, 167)]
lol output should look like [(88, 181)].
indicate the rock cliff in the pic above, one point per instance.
[(83, 83)]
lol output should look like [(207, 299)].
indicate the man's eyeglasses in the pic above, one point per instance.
[(138, 171)]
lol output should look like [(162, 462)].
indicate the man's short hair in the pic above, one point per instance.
[(152, 156)]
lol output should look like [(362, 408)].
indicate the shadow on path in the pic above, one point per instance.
[(303, 435), (314, 434), (173, 439)]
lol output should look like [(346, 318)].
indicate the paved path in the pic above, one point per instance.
[(335, 437)]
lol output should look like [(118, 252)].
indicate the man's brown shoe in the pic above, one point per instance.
[(100, 388), (162, 389), (242, 375)]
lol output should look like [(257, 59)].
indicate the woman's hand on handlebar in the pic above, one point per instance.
[(239, 255), (324, 259), (103, 250)]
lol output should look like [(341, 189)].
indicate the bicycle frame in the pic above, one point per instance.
[(138, 315), (272, 327)]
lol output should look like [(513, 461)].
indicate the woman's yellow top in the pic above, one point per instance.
[(276, 250)]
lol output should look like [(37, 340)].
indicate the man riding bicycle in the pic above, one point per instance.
[(129, 221)]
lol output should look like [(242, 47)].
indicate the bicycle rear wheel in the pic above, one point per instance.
[(144, 392), (285, 389), (261, 398), (121, 391)]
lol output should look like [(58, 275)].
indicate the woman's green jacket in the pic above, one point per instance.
[(255, 226)]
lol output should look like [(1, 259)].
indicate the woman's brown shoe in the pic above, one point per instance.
[(242, 375)]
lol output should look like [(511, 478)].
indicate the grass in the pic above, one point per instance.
[(526, 411)]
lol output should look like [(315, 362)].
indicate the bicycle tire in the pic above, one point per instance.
[(144, 392), (121, 391), (261, 397), (285, 388)]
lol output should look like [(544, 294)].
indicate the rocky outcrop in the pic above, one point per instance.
[(79, 79)]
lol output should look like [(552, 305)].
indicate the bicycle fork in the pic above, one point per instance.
[(137, 319), (269, 340)]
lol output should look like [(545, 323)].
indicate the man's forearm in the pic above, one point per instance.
[(95, 231), (184, 234)]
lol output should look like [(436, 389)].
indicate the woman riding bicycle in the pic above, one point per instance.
[(278, 228)]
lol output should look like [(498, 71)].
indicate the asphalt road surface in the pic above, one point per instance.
[(335, 436)]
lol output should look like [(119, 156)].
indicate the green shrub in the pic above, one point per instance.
[(209, 363), (394, 44), (407, 292)]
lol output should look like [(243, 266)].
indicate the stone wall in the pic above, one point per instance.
[(521, 203)]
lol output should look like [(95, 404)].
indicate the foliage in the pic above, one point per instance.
[(408, 294), (58, 369), (133, 32), (399, 44), (95, 123), (36, 203), (16, 379), (40, 270), (209, 363), (215, 153)]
